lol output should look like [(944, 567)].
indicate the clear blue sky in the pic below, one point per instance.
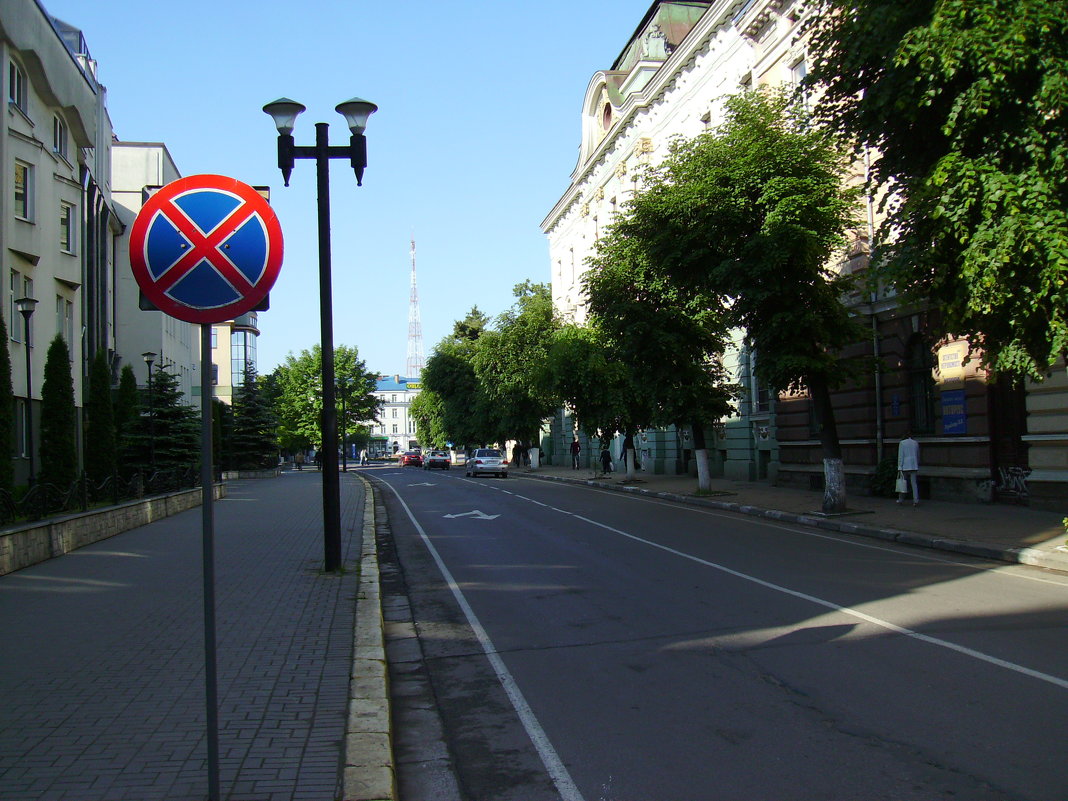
[(475, 138)]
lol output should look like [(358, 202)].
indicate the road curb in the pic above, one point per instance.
[(369, 772), (1023, 556)]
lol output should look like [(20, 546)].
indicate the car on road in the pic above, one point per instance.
[(413, 458), (437, 459), (488, 461)]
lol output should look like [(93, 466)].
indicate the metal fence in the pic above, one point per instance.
[(48, 500)]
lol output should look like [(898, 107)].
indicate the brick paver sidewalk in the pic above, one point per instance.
[(101, 667)]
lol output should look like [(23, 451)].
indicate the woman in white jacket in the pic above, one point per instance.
[(908, 466)]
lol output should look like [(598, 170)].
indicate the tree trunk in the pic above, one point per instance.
[(628, 450), (834, 493), (700, 452)]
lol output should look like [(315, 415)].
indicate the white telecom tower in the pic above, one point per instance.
[(415, 328)]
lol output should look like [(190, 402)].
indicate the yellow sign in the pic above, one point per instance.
[(951, 362)]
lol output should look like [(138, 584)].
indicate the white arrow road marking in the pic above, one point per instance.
[(424, 484), (478, 515)]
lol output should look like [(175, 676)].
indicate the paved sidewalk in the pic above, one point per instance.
[(101, 668), (995, 531)]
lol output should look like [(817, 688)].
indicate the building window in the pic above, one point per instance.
[(215, 375), (66, 228), (16, 86), (22, 445), (59, 137), (19, 287), (214, 338), (395, 429), (393, 399), (242, 355), (919, 362), (14, 328), (65, 321), (23, 191), (394, 413)]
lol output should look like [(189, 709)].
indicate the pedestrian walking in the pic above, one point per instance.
[(298, 460), (363, 457), (908, 468), (606, 460), (575, 450), (319, 460)]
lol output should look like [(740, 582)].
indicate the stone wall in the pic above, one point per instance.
[(46, 539)]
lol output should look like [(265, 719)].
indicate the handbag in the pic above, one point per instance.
[(901, 486)]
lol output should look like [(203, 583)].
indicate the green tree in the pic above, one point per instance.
[(59, 435), (427, 409), (7, 415), (456, 406), (254, 440), (222, 435), (669, 338), (166, 434), (101, 449), (127, 412), (296, 387), (961, 104), (749, 215), (508, 363)]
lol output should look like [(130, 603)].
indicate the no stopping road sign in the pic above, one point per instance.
[(206, 248)]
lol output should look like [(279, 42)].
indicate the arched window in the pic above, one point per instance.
[(919, 362)]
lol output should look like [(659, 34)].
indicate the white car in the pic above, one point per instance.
[(489, 461)]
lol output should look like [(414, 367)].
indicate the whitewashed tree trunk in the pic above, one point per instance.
[(630, 465), (535, 458), (834, 494), (704, 475)]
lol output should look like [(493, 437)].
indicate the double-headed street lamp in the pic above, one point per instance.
[(26, 305), (355, 111)]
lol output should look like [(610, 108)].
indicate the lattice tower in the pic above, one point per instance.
[(415, 328)]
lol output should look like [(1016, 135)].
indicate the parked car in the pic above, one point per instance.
[(437, 459), (411, 458), (489, 461)]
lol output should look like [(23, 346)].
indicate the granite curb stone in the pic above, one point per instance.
[(369, 773)]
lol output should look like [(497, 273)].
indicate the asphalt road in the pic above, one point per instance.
[(591, 645)]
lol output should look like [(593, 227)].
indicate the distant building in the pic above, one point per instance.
[(138, 170), (395, 429)]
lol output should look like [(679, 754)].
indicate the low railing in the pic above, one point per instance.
[(46, 500)]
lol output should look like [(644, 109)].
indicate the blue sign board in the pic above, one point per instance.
[(954, 412)]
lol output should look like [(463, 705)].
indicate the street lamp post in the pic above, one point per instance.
[(355, 111), (26, 305), (150, 357)]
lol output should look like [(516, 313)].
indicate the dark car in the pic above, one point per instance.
[(411, 458), (437, 459)]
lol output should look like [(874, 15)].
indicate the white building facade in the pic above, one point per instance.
[(395, 428), (57, 223), (669, 81)]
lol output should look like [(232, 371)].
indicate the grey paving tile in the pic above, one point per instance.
[(109, 678)]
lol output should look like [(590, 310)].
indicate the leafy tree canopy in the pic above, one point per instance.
[(961, 104), (297, 389)]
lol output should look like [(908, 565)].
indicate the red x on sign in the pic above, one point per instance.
[(206, 248)]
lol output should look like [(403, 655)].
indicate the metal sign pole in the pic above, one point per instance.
[(207, 510)]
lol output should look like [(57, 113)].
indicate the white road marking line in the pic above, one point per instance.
[(885, 624), (844, 538), (565, 785)]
